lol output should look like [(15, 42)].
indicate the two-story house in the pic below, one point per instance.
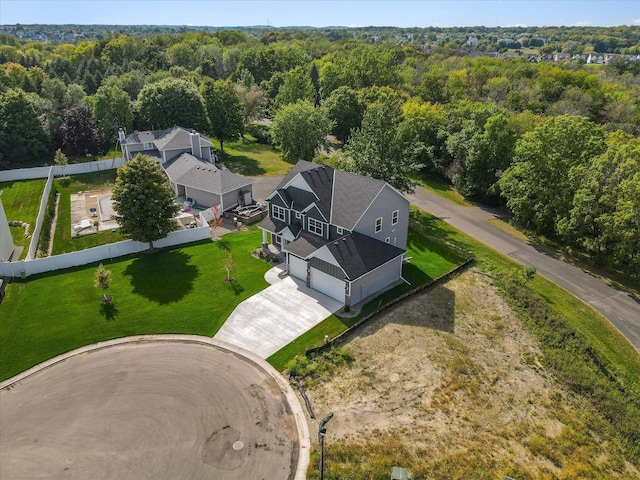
[(344, 234), (188, 160)]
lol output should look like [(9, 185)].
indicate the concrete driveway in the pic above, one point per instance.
[(274, 317)]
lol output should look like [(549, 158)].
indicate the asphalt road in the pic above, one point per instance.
[(619, 307), (148, 411)]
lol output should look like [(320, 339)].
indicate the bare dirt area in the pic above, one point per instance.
[(449, 384)]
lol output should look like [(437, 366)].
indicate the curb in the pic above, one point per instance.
[(292, 399)]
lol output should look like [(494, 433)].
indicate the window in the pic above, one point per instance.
[(394, 217), (279, 213), (379, 225), (339, 230), (147, 146), (315, 226), (298, 215)]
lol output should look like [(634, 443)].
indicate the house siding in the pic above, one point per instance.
[(202, 198), (387, 201), (376, 280)]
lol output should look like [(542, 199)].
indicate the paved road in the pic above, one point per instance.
[(154, 410), (620, 308)]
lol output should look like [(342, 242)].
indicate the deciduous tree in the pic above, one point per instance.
[(300, 129), (380, 148), (224, 110), (144, 201), (171, 102), (112, 110)]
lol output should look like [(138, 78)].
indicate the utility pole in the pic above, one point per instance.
[(322, 431)]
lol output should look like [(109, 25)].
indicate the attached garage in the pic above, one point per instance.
[(331, 286), (297, 267)]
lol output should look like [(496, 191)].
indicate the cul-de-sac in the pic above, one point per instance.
[(394, 249)]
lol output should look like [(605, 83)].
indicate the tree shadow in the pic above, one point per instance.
[(433, 308), (243, 165), (163, 277), (223, 244), (109, 311)]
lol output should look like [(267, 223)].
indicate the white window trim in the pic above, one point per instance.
[(339, 230), (378, 225), (279, 210), (147, 145), (394, 217), (316, 224)]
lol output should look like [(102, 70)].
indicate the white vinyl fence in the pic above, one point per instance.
[(44, 200), (28, 267), (73, 169)]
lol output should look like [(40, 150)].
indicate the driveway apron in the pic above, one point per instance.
[(274, 317)]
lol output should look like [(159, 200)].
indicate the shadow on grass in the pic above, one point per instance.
[(109, 311), (243, 165), (223, 244), (163, 277)]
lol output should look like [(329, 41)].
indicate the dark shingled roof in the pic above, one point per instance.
[(301, 166), (358, 254), (305, 244), (352, 195), (192, 172)]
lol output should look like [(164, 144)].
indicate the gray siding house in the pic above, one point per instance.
[(345, 235), (164, 145), (188, 160)]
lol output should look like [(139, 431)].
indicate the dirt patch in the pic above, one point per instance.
[(451, 377)]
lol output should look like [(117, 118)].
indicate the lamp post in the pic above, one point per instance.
[(321, 433)]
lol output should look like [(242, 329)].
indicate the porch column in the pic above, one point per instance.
[(264, 240)]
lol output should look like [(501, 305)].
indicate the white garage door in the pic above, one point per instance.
[(327, 284), (297, 267)]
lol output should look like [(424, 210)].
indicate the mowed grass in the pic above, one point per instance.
[(428, 260), (442, 189), (21, 201), (180, 290), (64, 241), (251, 158)]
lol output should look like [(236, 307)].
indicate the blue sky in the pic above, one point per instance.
[(401, 13)]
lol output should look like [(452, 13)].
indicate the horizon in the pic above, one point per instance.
[(324, 13)]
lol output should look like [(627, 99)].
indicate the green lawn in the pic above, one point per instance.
[(21, 201), (430, 258), (442, 189), (251, 158), (63, 241), (179, 290)]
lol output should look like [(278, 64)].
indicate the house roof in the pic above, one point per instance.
[(174, 138), (305, 245), (192, 172), (358, 254), (342, 197)]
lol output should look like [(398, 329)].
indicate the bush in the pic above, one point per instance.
[(262, 133)]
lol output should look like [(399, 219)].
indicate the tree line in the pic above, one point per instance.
[(552, 142)]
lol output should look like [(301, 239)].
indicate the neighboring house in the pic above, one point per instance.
[(345, 235), (189, 161), (205, 183), (165, 145)]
